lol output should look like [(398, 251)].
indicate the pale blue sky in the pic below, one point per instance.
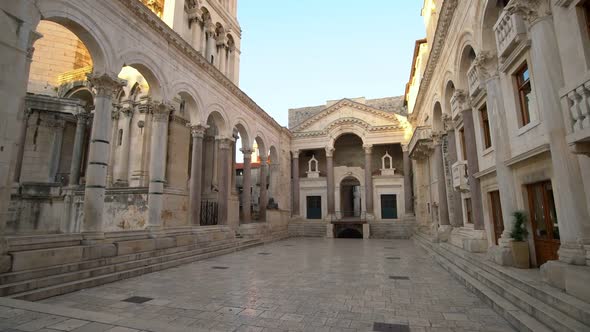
[(299, 53)]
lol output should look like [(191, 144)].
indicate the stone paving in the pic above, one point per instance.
[(295, 285)]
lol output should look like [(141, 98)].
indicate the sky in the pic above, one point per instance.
[(298, 53)]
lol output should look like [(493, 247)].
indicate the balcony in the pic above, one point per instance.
[(420, 145), (473, 80), (510, 32), (577, 115), (460, 176), (458, 101)]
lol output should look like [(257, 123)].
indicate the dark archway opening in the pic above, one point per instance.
[(350, 233)]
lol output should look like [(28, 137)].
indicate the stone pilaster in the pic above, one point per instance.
[(121, 168), (115, 115), (453, 196), (158, 152), (473, 167), (224, 181), (295, 175), (78, 149), (107, 87), (21, 145), (368, 180), (195, 187), (247, 185), (443, 208), (330, 180)]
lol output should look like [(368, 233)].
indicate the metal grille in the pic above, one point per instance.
[(209, 213)]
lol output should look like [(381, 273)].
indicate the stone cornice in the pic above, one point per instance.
[(145, 15), (347, 103), (447, 13)]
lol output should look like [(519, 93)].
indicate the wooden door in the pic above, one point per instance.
[(314, 207), (543, 221), (388, 207), (497, 220)]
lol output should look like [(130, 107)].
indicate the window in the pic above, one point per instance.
[(523, 86), (462, 142), (485, 127), (468, 213)]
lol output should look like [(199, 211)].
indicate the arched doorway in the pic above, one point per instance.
[(350, 197)]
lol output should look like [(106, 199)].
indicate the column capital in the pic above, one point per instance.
[(127, 111), (105, 84), (368, 148), (247, 152), (33, 37), (82, 117), (161, 110), (329, 152), (225, 143), (197, 131), (529, 10), (295, 154)]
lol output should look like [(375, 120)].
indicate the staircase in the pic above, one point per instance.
[(529, 305), (307, 229), (33, 285)]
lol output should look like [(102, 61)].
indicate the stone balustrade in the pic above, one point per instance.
[(460, 176), (458, 101), (510, 32), (473, 80), (421, 142), (577, 115)]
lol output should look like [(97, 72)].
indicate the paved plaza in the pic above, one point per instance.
[(298, 285)]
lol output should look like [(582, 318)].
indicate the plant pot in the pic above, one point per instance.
[(520, 255)]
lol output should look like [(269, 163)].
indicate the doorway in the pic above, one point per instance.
[(350, 197), (314, 207), (497, 219), (543, 221), (388, 206)]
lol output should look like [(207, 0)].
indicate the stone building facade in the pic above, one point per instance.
[(497, 101)]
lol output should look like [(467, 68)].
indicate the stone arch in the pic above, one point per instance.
[(150, 70), (261, 142), (215, 114), (488, 16), (194, 102), (76, 20), (80, 91), (244, 131), (448, 91), (338, 131), (437, 123), (464, 60)]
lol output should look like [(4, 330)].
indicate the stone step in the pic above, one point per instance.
[(543, 312), (13, 277), (558, 299), (516, 317), (28, 285), (71, 286)]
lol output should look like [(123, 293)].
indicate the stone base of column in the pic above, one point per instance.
[(330, 231), (501, 255), (444, 232), (5, 263), (329, 217), (469, 239), (571, 278), (366, 231), (156, 231), (92, 237), (121, 184), (572, 253), (370, 217)]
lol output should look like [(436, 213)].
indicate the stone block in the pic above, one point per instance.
[(165, 242), (577, 279), (34, 259), (330, 231), (135, 246), (185, 240), (553, 273), (366, 231), (5, 263), (475, 245), (100, 250), (501, 255)]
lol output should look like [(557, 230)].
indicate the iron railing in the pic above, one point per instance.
[(209, 213)]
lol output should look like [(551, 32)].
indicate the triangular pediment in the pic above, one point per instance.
[(349, 109)]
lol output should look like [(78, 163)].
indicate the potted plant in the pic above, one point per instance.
[(520, 247)]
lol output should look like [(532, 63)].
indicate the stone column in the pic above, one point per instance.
[(454, 197), (21, 145), (247, 185), (263, 196), (295, 175), (107, 87), (572, 213), (203, 41), (210, 30), (75, 166), (443, 208), (55, 154), (216, 164), (330, 180), (121, 169), (472, 168), (368, 179), (408, 189), (195, 189), (112, 153), (222, 50), (197, 32), (234, 189), (158, 152), (224, 160)]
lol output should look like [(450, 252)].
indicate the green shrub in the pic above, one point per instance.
[(519, 232)]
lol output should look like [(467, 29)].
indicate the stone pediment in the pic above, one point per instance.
[(348, 111)]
